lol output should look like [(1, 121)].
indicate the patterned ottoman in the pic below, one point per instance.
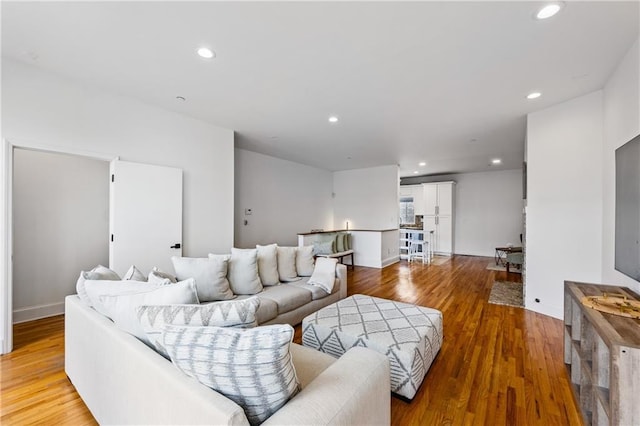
[(409, 335)]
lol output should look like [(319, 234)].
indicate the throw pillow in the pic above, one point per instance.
[(348, 241), (134, 274), (326, 247), (340, 242), (94, 289), (226, 360), (98, 273), (210, 275), (156, 275), (268, 264), (234, 313), (287, 264), (122, 308), (304, 261), (324, 274), (243, 271)]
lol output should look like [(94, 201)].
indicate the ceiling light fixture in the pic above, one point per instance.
[(534, 95), (422, 164), (548, 11), (333, 119), (496, 161), (415, 172), (206, 53)]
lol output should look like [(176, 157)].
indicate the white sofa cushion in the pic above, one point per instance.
[(134, 274), (243, 271), (210, 275), (324, 274), (252, 367), (94, 289), (98, 273), (158, 276), (268, 264), (287, 264), (304, 261), (232, 313), (122, 308)]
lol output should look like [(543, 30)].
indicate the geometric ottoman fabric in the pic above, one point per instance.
[(409, 335)]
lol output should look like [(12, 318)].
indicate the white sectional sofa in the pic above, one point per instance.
[(124, 381)]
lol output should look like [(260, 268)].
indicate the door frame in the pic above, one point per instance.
[(6, 225)]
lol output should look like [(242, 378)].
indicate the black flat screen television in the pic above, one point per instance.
[(627, 256)]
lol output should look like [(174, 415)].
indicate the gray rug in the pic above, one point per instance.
[(506, 293), (493, 267)]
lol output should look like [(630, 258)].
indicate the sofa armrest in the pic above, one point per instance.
[(353, 390), (341, 274)]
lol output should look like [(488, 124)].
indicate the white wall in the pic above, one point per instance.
[(488, 209), (286, 198), (564, 211), (60, 227), (44, 109), (49, 110), (367, 198), (621, 124)]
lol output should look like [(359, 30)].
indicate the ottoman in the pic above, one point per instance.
[(409, 335)]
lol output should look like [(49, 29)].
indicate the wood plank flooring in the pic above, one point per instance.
[(498, 365)]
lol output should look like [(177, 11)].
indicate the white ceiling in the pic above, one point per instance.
[(441, 82)]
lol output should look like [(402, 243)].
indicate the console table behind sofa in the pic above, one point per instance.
[(371, 248)]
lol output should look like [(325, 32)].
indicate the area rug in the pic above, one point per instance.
[(493, 267), (506, 293)]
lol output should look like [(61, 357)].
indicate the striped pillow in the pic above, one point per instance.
[(252, 367), (233, 313)]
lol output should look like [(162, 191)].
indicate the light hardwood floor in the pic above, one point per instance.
[(498, 365)]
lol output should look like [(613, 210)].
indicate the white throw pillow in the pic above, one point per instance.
[(243, 271), (324, 274), (287, 264), (156, 275), (252, 367), (304, 261), (98, 273), (122, 308), (233, 313), (97, 288), (210, 275), (268, 264), (134, 274)]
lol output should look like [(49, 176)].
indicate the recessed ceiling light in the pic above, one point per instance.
[(534, 95), (548, 11), (415, 172), (496, 161), (206, 53), (422, 164), (333, 119)]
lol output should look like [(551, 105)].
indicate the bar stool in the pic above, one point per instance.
[(418, 249)]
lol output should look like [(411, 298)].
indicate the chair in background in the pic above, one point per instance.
[(516, 259), (418, 249)]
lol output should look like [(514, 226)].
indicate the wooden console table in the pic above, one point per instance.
[(602, 355)]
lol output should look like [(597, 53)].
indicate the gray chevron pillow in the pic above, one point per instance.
[(253, 367), (235, 313)]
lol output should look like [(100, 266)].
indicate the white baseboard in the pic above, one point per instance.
[(36, 312), (390, 261)]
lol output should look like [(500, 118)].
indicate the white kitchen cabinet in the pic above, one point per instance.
[(416, 192), (439, 215)]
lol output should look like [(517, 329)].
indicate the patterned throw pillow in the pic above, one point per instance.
[(235, 313), (252, 367)]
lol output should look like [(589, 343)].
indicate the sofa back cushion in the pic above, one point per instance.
[(210, 275), (304, 261), (252, 367), (122, 308), (287, 264), (268, 264), (232, 313), (243, 271), (94, 289)]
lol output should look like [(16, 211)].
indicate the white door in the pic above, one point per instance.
[(145, 218), (430, 199), (445, 199)]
